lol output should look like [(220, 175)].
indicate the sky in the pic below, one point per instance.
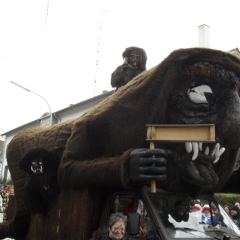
[(66, 50)]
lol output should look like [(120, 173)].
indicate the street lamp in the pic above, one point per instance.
[(37, 95)]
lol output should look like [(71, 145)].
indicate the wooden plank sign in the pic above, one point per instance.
[(179, 133)]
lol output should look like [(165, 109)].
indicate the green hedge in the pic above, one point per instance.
[(227, 199)]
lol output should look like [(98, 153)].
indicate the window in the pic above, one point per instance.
[(126, 203)]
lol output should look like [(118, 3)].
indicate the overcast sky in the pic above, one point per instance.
[(51, 47)]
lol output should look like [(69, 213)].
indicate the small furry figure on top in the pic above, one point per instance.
[(134, 63)]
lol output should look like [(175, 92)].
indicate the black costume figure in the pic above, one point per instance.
[(41, 185), (134, 63)]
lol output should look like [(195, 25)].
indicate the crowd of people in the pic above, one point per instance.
[(204, 216), (5, 192), (117, 222), (234, 212), (194, 216), (199, 215)]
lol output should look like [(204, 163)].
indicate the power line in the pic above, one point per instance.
[(98, 49)]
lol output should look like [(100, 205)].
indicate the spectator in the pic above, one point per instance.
[(11, 192), (196, 211), (207, 218), (116, 228), (235, 213), (1, 205), (227, 209), (237, 204), (5, 198), (214, 208)]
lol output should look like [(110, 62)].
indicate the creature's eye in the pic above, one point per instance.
[(34, 163), (40, 163), (197, 95)]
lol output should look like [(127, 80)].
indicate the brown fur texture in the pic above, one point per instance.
[(95, 147)]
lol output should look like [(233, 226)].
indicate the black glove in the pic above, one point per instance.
[(148, 164)]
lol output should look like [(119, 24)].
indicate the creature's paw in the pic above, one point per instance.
[(148, 164)]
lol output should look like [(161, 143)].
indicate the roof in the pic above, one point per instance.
[(235, 51), (72, 106)]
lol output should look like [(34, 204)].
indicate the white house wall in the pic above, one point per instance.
[(8, 139), (78, 111)]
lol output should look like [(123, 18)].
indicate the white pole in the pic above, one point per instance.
[(37, 95)]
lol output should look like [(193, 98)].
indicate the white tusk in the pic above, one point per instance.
[(222, 150), (206, 152), (200, 146), (188, 147), (218, 154), (216, 149), (195, 150)]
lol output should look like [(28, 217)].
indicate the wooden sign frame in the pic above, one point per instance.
[(179, 133)]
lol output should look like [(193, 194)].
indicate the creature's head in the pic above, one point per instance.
[(136, 57), (35, 160), (191, 86), (206, 93)]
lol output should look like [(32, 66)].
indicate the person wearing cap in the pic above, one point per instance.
[(235, 213), (196, 207), (207, 218), (196, 211)]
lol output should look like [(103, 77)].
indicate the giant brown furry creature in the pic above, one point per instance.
[(95, 148), (135, 59)]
